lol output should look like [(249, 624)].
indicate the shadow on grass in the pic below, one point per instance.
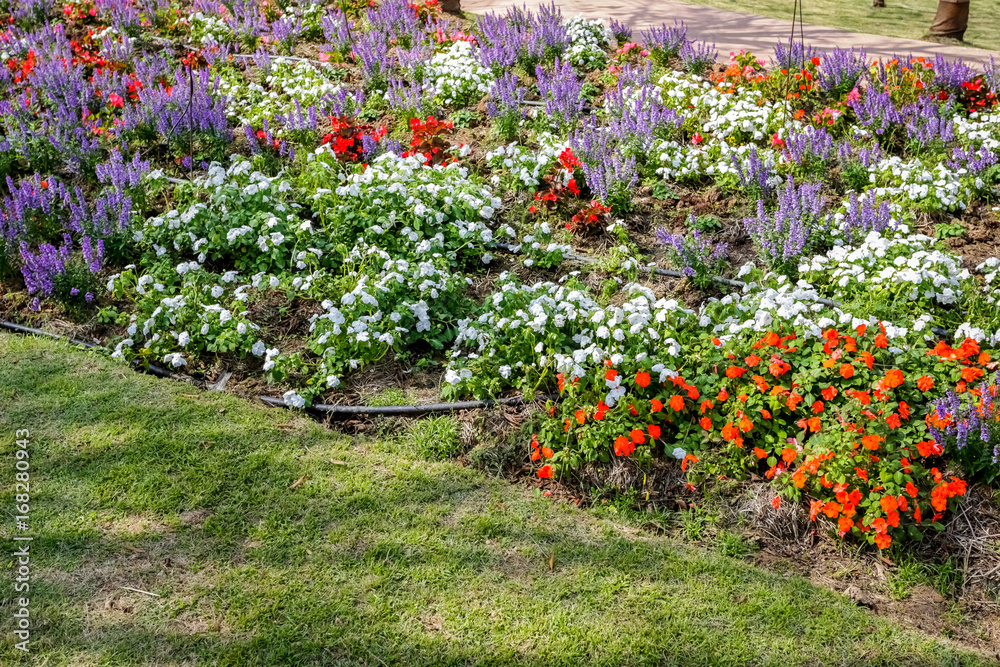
[(375, 557)]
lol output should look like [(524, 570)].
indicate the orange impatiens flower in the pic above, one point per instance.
[(771, 339), (638, 437), (655, 405), (654, 431), (831, 509), (545, 472), (893, 421), (723, 395), (882, 540), (789, 454), (844, 524), (846, 371), (761, 454), (729, 432), (677, 403), (547, 452), (706, 405), (693, 392), (871, 441), (623, 446), (735, 372), (776, 503), (924, 383), (817, 407), (690, 458), (970, 374), (581, 416), (752, 360), (642, 379), (929, 448), (706, 423), (829, 393), (893, 378), (815, 507)]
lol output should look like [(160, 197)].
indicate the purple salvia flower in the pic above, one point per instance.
[(622, 32), (840, 70), (698, 56), (792, 58), (793, 228), (561, 91), (863, 216), (665, 42), (695, 255)]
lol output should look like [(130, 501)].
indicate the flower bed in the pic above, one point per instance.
[(414, 185)]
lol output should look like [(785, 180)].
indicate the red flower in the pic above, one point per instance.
[(677, 403), (735, 372), (637, 436), (817, 407), (545, 472), (893, 421), (846, 371), (706, 423), (761, 454), (581, 416), (752, 360), (654, 431), (642, 379), (611, 375), (829, 393), (776, 503), (924, 383), (655, 405)]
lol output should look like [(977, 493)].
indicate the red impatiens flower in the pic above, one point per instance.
[(654, 431), (623, 446), (677, 403), (706, 423), (642, 379), (924, 383), (545, 472), (846, 371), (776, 503), (638, 437)]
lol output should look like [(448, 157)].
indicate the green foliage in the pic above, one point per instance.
[(436, 437)]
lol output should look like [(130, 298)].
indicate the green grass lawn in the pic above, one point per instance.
[(378, 557), (899, 18)]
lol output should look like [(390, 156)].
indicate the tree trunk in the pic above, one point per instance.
[(878, 3), (451, 6), (951, 20)]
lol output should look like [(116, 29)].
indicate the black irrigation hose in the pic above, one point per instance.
[(20, 328), (336, 410), (398, 410)]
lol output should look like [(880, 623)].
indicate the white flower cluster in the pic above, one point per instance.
[(420, 209), (526, 165), (904, 263), (457, 76), (291, 87), (587, 41), (934, 188), (563, 328)]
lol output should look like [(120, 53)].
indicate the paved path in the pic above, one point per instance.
[(732, 31)]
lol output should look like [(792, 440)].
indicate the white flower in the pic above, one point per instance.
[(258, 348), (679, 453), (184, 339), (293, 400)]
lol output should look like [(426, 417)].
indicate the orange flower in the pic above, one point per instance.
[(765, 414), (642, 379), (545, 472), (882, 540), (706, 423), (690, 458), (729, 432), (911, 489), (752, 360), (929, 448), (637, 436), (706, 405), (846, 371), (888, 504), (863, 474), (693, 393), (580, 415), (893, 378), (623, 446), (893, 421), (547, 453), (818, 407), (970, 374), (788, 454), (904, 410), (535, 455), (793, 401), (881, 341), (723, 395), (776, 503), (655, 405), (761, 454), (677, 403), (815, 507), (771, 338), (844, 524), (829, 393), (611, 375), (924, 383), (735, 372), (861, 329), (868, 359), (799, 479), (871, 441), (814, 424), (831, 509), (654, 431)]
